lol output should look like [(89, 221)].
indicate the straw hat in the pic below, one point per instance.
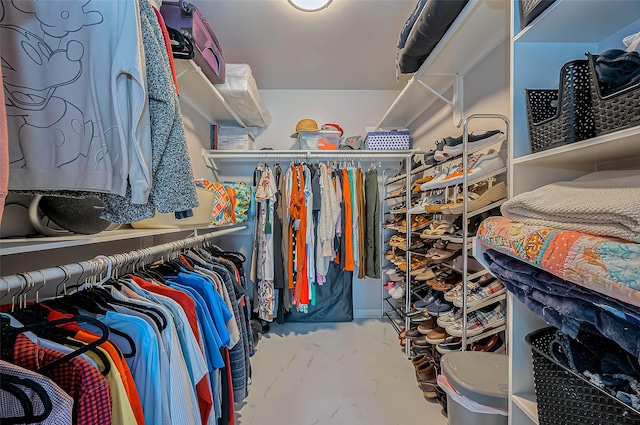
[(306, 124)]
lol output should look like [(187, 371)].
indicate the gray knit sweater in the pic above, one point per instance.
[(173, 188)]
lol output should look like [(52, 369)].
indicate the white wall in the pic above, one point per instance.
[(486, 91), (353, 110)]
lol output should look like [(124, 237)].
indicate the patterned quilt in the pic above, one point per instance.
[(606, 265)]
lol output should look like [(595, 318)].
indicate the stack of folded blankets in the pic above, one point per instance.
[(570, 251)]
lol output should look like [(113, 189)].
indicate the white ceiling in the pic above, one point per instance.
[(350, 45)]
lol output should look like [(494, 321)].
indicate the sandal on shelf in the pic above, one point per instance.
[(444, 255), (396, 192), (394, 220), (482, 196), (435, 230), (419, 222)]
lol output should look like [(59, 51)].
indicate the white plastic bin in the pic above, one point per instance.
[(477, 386)]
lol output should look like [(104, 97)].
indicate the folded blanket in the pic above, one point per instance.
[(605, 203), (566, 306)]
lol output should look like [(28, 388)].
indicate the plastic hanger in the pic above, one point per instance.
[(9, 333), (12, 384)]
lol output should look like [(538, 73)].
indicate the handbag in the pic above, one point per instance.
[(222, 212), (241, 195)]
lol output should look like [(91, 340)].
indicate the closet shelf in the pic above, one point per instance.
[(196, 90), (587, 154), (479, 28), (572, 21), (252, 156), (23, 245)]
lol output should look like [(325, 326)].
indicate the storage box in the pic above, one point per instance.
[(388, 140), (565, 397), (241, 92), (234, 138), (562, 116), (319, 140)]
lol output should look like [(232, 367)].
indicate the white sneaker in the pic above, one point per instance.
[(452, 151), (479, 165)]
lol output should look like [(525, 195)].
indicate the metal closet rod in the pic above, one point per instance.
[(105, 264)]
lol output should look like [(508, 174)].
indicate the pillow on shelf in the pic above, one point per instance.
[(406, 29)]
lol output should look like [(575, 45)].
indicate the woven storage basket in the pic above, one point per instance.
[(563, 116), (531, 9), (613, 111), (566, 398)]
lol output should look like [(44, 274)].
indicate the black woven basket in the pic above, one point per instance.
[(614, 111), (566, 398), (563, 116), (531, 9)]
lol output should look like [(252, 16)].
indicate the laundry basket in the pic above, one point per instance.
[(566, 398), (563, 116)]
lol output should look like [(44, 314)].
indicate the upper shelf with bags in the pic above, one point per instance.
[(224, 94)]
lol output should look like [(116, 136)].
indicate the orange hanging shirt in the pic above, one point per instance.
[(347, 226)]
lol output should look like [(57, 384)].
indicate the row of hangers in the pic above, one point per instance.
[(94, 297)]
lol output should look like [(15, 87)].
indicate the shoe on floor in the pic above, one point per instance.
[(427, 380), (419, 359)]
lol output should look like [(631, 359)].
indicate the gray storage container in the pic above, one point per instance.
[(481, 377)]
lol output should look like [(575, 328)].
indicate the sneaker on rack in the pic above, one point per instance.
[(481, 294), (436, 181), (456, 293), (449, 317), (422, 303), (438, 307), (449, 345), (397, 276), (490, 344), (397, 291), (479, 165), (476, 140), (426, 274), (436, 335), (479, 321)]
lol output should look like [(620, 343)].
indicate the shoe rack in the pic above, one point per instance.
[(394, 235), (462, 211)]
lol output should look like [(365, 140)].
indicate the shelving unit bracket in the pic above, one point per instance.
[(456, 98)]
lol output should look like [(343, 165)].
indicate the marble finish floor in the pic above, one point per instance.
[(334, 374)]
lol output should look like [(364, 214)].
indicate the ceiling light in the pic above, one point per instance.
[(310, 5)]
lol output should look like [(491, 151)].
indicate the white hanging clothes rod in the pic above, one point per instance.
[(105, 265)]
